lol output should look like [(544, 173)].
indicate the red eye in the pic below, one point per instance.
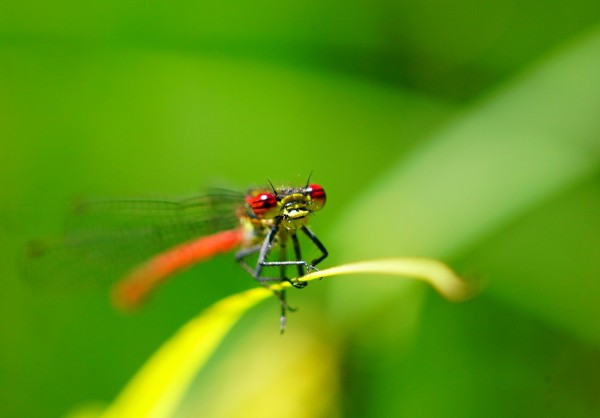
[(263, 205), (317, 196)]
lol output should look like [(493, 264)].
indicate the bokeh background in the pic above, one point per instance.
[(464, 130)]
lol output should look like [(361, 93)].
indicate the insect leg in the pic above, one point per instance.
[(264, 253), (319, 245), (298, 254), (242, 254), (301, 267), (282, 257), (264, 249)]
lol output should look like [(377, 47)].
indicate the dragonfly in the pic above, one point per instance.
[(145, 242)]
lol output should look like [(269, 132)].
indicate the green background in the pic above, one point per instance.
[(463, 130)]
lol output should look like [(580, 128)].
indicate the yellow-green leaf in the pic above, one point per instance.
[(159, 386)]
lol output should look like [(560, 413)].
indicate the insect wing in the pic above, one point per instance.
[(104, 240)]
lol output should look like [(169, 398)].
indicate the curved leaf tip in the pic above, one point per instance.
[(437, 274)]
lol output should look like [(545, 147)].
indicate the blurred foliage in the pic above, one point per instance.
[(464, 130)]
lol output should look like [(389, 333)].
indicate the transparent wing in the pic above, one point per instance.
[(103, 240)]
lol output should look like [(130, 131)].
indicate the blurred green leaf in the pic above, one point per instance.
[(527, 142), (446, 49)]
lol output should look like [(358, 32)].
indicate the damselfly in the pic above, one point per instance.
[(145, 242)]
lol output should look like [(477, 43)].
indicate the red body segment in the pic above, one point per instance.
[(135, 287)]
